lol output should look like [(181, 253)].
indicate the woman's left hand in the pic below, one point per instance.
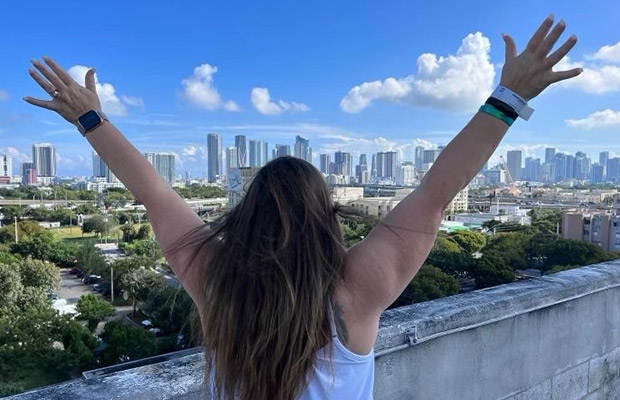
[(69, 99)]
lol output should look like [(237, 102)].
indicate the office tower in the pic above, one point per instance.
[(6, 165), (549, 155), (303, 149), (373, 167), (613, 170), (44, 159), (258, 153), (388, 165), (571, 169), (559, 167), (214, 157), (361, 170), (25, 166), (324, 161), (99, 166), (532, 169), (603, 157), (242, 159), (343, 163), (430, 156), (406, 175), (597, 173), (282, 150), (514, 164), (266, 153), (419, 156), (583, 164), (232, 158), (163, 164)]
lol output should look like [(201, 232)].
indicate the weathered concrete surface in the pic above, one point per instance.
[(555, 337)]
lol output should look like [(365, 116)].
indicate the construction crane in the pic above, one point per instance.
[(512, 188)]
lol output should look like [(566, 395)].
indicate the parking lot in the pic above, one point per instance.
[(71, 288)]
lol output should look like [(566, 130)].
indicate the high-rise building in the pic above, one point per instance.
[(25, 166), (44, 159), (388, 165), (214, 157), (258, 153), (613, 170), (430, 156), (242, 155), (603, 157), (282, 150), (373, 167), (232, 158), (419, 156), (549, 155), (406, 175), (532, 170), (163, 164), (361, 170), (303, 149), (6, 165), (266, 152), (324, 161), (597, 173), (343, 163), (99, 166), (514, 164), (583, 164)]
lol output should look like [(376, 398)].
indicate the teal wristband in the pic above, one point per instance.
[(489, 109)]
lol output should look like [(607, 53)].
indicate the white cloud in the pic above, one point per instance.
[(261, 100), (199, 89), (190, 150), (4, 95), (598, 119), (15, 153), (610, 53), (595, 78), (110, 101), (459, 82)]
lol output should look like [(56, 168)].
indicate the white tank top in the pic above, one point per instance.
[(353, 374)]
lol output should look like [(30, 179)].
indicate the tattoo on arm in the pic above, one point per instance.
[(341, 327)]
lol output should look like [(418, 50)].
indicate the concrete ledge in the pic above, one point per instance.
[(552, 337)]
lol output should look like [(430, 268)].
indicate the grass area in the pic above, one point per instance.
[(74, 235)]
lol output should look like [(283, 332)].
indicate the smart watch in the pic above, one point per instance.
[(90, 121)]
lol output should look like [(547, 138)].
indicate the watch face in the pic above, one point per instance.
[(90, 120)]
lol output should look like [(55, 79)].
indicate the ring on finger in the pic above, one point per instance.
[(55, 93)]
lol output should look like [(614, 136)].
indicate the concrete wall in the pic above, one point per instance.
[(551, 338)]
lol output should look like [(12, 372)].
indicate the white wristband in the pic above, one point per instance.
[(515, 101)]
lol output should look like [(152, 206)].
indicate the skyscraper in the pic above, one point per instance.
[(240, 144), (514, 164), (430, 156), (603, 157), (258, 153), (361, 170), (282, 150), (324, 160), (214, 157), (388, 165), (343, 164), (232, 158), (419, 156), (532, 169), (163, 164), (44, 159), (99, 166), (303, 149), (6, 165), (549, 155)]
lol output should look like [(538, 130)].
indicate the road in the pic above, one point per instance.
[(71, 288)]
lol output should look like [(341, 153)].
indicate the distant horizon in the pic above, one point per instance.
[(355, 85)]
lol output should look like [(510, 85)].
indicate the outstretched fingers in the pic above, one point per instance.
[(559, 54), (540, 34), (45, 85), (50, 105), (551, 39), (563, 75), (59, 71), (51, 76)]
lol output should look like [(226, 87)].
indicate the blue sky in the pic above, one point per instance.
[(172, 73)]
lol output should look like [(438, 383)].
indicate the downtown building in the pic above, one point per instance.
[(597, 227), (44, 162), (214, 157), (163, 164)]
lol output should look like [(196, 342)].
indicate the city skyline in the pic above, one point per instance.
[(272, 89)]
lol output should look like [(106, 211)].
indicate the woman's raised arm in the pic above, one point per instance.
[(384, 263), (170, 216)]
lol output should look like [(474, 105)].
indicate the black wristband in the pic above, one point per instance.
[(503, 107)]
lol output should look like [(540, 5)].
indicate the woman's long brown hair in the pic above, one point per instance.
[(274, 261)]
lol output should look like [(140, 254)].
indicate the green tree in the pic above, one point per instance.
[(43, 246), (138, 282), (469, 241), (96, 224), (80, 342), (94, 310), (39, 274), (492, 270), (511, 247), (169, 309), (87, 209), (126, 343), (25, 229), (10, 285), (430, 283)]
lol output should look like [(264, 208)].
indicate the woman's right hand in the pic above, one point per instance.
[(530, 72), (69, 99)]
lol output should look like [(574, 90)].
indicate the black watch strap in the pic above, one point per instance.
[(90, 120)]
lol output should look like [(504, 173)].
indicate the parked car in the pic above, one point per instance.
[(92, 279), (75, 271)]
